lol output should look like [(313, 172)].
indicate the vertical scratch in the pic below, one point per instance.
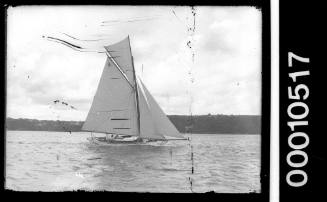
[(190, 44), (193, 29), (171, 156)]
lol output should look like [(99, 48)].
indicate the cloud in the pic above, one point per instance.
[(226, 68)]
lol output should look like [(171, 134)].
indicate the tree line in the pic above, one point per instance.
[(210, 124)]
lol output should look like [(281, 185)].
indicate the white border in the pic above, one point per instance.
[(274, 113)]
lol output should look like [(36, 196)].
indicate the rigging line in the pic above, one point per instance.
[(131, 19), (136, 91), (72, 46), (126, 21), (63, 41), (106, 24), (120, 70), (76, 48), (178, 18), (81, 39)]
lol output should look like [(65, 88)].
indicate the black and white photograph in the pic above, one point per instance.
[(149, 99)]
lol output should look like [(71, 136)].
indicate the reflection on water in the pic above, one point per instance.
[(56, 161)]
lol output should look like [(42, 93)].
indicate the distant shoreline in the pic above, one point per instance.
[(90, 132), (198, 124)]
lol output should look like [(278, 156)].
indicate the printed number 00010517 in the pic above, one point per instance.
[(297, 119)]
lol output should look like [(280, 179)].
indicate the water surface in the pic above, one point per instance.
[(59, 161)]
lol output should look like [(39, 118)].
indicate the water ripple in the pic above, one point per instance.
[(54, 161)]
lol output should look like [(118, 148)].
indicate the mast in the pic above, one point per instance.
[(136, 92)]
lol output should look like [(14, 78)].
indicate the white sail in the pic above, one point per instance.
[(113, 108), (162, 124), (147, 125), (121, 108), (121, 54)]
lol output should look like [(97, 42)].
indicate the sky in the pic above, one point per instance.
[(201, 61)]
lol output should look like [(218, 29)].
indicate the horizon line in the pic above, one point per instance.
[(166, 115)]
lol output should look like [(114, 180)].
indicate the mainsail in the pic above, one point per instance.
[(122, 104)]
